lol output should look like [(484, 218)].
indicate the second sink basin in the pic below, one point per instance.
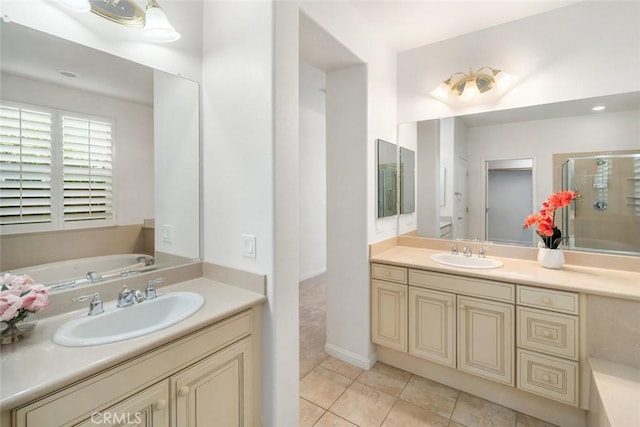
[(118, 324), (462, 261)]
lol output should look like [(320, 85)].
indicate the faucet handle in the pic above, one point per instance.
[(150, 292), (95, 303), (454, 249), (482, 252)]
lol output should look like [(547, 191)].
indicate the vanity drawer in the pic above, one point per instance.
[(387, 272), (548, 299), (548, 376), (551, 333), (463, 285)]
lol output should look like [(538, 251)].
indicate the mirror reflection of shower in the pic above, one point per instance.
[(607, 217)]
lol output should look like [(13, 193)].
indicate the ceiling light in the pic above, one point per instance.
[(599, 108), (77, 5), (157, 27), (472, 85)]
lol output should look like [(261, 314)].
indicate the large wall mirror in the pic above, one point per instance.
[(100, 162), (489, 153)]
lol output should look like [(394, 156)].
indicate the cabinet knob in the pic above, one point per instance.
[(183, 391), (546, 300), (401, 293), (546, 334), (545, 378), (160, 405), (387, 273), (462, 306)]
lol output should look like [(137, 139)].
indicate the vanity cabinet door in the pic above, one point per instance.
[(485, 339), (432, 326), (216, 391), (389, 314), (148, 408)]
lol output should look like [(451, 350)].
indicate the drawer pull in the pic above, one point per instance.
[(183, 391), (546, 300), (387, 273), (160, 405), (462, 306), (546, 334), (546, 378)]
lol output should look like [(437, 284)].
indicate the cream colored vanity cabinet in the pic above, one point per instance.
[(209, 377), (548, 343), (463, 322), (389, 296)]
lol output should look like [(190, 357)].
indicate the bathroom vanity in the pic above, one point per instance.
[(515, 335), (204, 370)]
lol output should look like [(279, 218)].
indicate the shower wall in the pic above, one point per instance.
[(607, 217)]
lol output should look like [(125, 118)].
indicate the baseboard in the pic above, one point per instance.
[(349, 357)]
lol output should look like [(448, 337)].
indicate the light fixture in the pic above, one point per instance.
[(471, 85), (599, 108), (157, 26)]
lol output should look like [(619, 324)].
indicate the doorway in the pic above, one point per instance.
[(509, 196)]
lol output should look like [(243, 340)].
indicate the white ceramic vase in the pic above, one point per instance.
[(550, 258)]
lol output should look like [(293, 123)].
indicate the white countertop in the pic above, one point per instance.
[(37, 366), (619, 390), (597, 281)]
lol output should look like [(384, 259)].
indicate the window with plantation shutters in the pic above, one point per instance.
[(56, 169), (25, 164), (86, 169)]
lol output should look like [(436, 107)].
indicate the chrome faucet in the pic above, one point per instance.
[(95, 303), (93, 276), (482, 253), (126, 297), (467, 251), (454, 250), (150, 292)]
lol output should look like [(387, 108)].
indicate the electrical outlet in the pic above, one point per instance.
[(248, 245)]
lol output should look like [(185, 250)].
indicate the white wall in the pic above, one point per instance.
[(177, 165), (540, 139), (313, 172), (348, 28), (133, 162), (583, 50)]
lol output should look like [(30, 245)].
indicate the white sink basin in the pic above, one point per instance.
[(462, 261), (118, 324)]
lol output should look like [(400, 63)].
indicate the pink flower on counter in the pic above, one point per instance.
[(20, 296)]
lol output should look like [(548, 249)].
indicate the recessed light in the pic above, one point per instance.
[(67, 73), (598, 108)]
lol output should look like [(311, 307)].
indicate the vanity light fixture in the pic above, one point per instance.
[(475, 83), (157, 26), (598, 108), (154, 21)]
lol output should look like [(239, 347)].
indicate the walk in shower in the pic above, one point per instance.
[(607, 217)]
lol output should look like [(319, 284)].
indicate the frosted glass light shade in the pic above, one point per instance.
[(470, 89), (504, 81), (441, 92), (157, 27)]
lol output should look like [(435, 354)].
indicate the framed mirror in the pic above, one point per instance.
[(387, 177), (100, 162)]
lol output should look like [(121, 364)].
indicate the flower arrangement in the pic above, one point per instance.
[(19, 297), (544, 219)]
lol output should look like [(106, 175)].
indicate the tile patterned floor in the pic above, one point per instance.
[(336, 394)]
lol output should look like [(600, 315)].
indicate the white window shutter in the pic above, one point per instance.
[(25, 164)]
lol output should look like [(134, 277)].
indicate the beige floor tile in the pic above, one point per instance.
[(404, 414), (472, 411), (430, 395), (385, 378), (523, 420), (309, 413), (343, 368), (332, 420), (322, 386), (455, 424), (313, 313), (363, 405)]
